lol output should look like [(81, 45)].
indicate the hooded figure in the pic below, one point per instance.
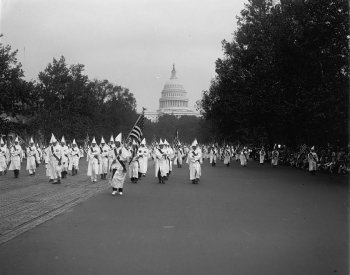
[(75, 157), (16, 154), (262, 154), (243, 157), (103, 169), (213, 153), (274, 157), (118, 167), (143, 155), (55, 155), (194, 162), (312, 159), (33, 158), (4, 157), (65, 157), (94, 161), (227, 156), (161, 162)]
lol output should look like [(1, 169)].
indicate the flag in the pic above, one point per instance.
[(86, 143), (176, 141), (136, 132)]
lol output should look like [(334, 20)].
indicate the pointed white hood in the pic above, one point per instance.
[(119, 138)]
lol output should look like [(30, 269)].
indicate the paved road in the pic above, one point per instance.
[(254, 220)]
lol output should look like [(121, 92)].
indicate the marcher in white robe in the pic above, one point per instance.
[(213, 152), (194, 162), (262, 154), (65, 158), (143, 155), (55, 155), (168, 163), (75, 157), (111, 155), (16, 156), (48, 166), (103, 169), (227, 156), (161, 163), (243, 157), (118, 167), (313, 159), (179, 155), (4, 157), (134, 163), (94, 161), (274, 157), (32, 157)]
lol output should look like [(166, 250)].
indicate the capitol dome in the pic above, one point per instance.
[(174, 96), (173, 100)]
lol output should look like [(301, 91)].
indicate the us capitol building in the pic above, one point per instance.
[(173, 100)]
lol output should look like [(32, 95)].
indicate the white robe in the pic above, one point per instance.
[(75, 157), (161, 162), (94, 160), (312, 158), (118, 179), (4, 158), (213, 155), (262, 156), (55, 155), (103, 169), (194, 162), (275, 155), (227, 156), (143, 159), (16, 154), (65, 158), (32, 158)]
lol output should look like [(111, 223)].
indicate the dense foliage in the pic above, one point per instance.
[(63, 101), (284, 76)]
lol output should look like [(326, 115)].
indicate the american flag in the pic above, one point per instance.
[(136, 131), (86, 143), (176, 141)]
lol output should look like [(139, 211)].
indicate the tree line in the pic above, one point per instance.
[(64, 101), (284, 77)]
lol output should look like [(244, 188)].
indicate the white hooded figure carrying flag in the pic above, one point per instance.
[(194, 162), (118, 166), (134, 163)]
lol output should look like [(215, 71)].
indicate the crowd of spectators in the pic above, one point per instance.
[(334, 160)]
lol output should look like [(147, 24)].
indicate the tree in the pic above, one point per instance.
[(17, 95), (284, 77), (74, 106)]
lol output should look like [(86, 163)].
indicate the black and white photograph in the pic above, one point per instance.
[(174, 137)]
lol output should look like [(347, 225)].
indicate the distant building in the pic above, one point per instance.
[(173, 100)]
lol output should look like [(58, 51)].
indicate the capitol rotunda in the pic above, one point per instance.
[(173, 100)]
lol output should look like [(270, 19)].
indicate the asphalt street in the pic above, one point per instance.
[(253, 220)]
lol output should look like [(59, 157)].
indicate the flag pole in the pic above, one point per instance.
[(143, 112)]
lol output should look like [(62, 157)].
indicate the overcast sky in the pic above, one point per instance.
[(132, 43)]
